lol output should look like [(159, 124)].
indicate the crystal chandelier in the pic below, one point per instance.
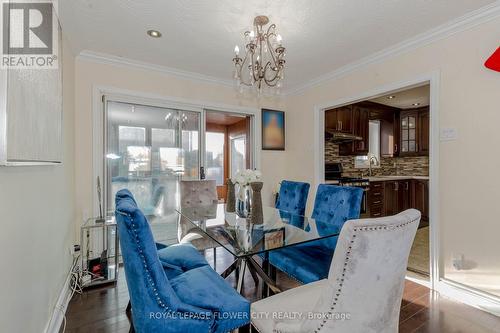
[(263, 63)]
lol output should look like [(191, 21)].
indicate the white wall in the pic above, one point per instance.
[(469, 100), (37, 227), (90, 74)]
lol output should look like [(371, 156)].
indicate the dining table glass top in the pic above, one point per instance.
[(242, 237)]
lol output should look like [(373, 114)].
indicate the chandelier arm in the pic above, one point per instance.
[(242, 65), (269, 46), (253, 69), (275, 79), (256, 71), (271, 50)]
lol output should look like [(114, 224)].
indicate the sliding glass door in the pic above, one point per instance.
[(148, 150)]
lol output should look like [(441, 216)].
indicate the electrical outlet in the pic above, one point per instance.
[(74, 250), (448, 134)]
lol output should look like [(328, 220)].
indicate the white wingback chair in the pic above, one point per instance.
[(201, 194), (364, 288)]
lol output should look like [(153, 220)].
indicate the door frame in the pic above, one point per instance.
[(433, 79), (227, 149), (101, 94)]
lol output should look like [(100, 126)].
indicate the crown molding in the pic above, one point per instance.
[(468, 21), (108, 59)]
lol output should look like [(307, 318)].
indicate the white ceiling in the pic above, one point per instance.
[(404, 99), (199, 35)]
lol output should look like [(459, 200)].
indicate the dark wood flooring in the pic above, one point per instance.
[(422, 310)]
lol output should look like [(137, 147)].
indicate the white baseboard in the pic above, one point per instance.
[(469, 296), (56, 320)]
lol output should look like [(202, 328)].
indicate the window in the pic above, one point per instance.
[(215, 157), (148, 149), (373, 147), (238, 154)]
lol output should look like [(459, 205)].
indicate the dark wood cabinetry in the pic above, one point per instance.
[(339, 119), (404, 195), (360, 126), (389, 127), (414, 132), (402, 132), (420, 197), (391, 197), (376, 199), (352, 119), (424, 132)]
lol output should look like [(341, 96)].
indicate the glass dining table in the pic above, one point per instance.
[(245, 239)]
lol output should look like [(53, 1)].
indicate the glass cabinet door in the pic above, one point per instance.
[(408, 133)]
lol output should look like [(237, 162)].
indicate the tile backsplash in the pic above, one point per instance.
[(389, 166)]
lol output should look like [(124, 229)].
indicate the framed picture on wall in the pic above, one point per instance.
[(273, 130)]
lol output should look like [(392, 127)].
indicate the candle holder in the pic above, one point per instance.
[(230, 196), (257, 215)]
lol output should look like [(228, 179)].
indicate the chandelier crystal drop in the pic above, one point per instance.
[(263, 62)]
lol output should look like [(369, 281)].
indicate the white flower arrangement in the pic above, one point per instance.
[(245, 177)]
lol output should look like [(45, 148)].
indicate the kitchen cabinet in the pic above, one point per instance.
[(408, 133), (420, 197), (360, 123), (424, 132), (391, 197), (414, 132), (376, 199), (339, 119), (404, 195), (360, 127)]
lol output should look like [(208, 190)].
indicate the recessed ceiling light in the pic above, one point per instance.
[(154, 33), (391, 97), (416, 104)]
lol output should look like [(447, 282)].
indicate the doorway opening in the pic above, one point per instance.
[(227, 147), (382, 144)]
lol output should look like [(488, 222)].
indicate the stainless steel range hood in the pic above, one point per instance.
[(340, 137)]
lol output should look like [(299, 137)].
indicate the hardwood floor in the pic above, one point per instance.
[(103, 309)]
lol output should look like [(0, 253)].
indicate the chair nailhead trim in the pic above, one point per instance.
[(346, 260), (152, 284), (148, 271)]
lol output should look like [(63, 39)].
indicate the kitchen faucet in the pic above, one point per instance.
[(372, 158)]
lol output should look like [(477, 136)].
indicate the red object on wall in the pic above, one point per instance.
[(493, 62)]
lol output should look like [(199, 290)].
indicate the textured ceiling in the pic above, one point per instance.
[(199, 35), (404, 99)]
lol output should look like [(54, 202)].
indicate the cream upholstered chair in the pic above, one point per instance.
[(197, 193), (364, 287)]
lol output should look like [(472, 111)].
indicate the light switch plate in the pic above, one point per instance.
[(448, 134)]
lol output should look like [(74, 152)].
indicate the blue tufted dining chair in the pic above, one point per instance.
[(309, 262), (181, 295), (293, 197)]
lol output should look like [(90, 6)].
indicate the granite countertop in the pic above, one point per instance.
[(383, 178)]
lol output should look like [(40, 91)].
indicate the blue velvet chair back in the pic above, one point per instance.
[(152, 297), (334, 205), (293, 197)]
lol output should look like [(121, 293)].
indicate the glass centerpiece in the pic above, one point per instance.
[(242, 181)]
